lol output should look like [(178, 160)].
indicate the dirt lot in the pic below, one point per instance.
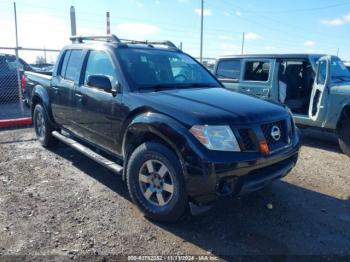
[(61, 203)]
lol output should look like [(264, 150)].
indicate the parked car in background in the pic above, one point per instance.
[(347, 64), (178, 137), (316, 88), (44, 67), (9, 90)]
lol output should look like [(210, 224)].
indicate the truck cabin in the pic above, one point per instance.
[(287, 78)]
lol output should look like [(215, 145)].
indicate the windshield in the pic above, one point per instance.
[(163, 69), (339, 72)]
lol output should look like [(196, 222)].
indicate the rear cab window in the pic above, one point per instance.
[(71, 65), (229, 69), (257, 70)]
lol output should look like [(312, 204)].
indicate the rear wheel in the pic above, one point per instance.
[(344, 136), (43, 128), (155, 182)]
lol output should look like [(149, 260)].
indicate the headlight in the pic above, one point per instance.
[(218, 138)]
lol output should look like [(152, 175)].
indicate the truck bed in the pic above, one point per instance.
[(33, 79)]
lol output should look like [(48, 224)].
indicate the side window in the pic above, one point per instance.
[(322, 72), (99, 63), (229, 69), (64, 63), (257, 71), (73, 66), (12, 64)]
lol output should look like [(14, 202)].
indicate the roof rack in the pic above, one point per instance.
[(108, 38), (115, 39), (169, 44)]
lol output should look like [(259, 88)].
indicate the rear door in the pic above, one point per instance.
[(62, 87), (319, 94), (257, 77), (228, 71)]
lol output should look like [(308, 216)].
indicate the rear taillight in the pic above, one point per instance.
[(23, 83)]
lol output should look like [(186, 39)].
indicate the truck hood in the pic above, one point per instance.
[(213, 106), (343, 89)]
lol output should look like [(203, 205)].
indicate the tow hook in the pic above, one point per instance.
[(199, 209), (224, 188)]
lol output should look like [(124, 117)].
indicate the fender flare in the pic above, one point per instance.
[(177, 137), (345, 112), (40, 92)]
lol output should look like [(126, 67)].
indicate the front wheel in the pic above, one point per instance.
[(156, 183), (344, 137), (43, 127)]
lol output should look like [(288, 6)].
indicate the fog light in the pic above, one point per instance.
[(264, 148)]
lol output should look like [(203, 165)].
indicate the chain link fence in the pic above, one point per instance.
[(13, 96)]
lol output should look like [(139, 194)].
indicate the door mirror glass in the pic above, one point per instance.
[(101, 82)]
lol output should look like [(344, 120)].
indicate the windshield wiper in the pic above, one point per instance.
[(189, 85), (157, 87)]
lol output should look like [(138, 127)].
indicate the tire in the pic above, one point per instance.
[(344, 137), (156, 183), (43, 128)]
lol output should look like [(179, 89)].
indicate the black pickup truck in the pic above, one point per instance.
[(162, 121)]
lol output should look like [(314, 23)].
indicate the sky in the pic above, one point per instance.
[(270, 26)]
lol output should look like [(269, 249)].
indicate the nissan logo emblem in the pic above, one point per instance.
[(276, 133)]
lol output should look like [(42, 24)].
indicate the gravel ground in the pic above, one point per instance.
[(61, 203)]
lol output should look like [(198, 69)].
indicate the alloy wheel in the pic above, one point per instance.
[(156, 182)]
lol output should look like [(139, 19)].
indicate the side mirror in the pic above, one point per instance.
[(100, 82)]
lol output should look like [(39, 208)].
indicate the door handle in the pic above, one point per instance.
[(79, 97), (56, 90), (246, 89)]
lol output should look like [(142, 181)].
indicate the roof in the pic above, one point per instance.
[(94, 45), (115, 42), (273, 56)]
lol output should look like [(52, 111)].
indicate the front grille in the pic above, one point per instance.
[(267, 131), (247, 139), (250, 137)]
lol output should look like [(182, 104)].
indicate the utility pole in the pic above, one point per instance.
[(108, 21), (242, 44), (73, 25), (17, 62), (338, 52), (201, 45), (45, 54), (180, 46)]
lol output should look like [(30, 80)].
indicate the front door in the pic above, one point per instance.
[(319, 94), (99, 113)]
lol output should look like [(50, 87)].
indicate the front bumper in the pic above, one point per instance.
[(238, 173)]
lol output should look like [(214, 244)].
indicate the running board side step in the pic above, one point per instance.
[(89, 153)]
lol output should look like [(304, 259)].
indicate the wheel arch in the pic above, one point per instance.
[(41, 96), (345, 114), (154, 127)]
